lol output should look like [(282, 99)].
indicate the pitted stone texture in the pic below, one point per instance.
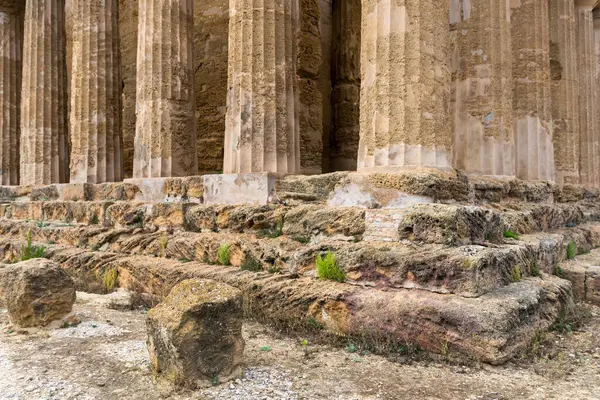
[(195, 335), (405, 94), (596, 15), (11, 43), (532, 96), (262, 132), (482, 88), (589, 135), (254, 189), (165, 140), (95, 121), (565, 90), (36, 292), (44, 147)]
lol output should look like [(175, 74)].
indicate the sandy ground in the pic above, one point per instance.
[(105, 357)]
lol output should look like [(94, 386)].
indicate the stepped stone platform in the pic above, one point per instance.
[(475, 267)]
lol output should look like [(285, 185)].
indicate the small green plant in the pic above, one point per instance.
[(51, 242), (40, 224), (328, 269), (571, 250), (511, 235), (351, 348), (184, 260), (110, 279), (304, 342), (265, 348), (94, 219), (534, 269), (301, 239), (250, 264), (30, 251), (224, 254), (445, 348), (515, 274), (163, 245), (214, 380), (313, 324), (274, 269), (559, 271)]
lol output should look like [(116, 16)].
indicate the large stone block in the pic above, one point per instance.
[(36, 292), (195, 335), (252, 189)]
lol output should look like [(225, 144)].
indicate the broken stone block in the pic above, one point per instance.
[(36, 292), (195, 334)]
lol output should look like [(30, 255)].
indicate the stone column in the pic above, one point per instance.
[(96, 143), (346, 84), (11, 43), (565, 90), (405, 85), (165, 138), (596, 16), (589, 158), (262, 131), (532, 96), (44, 146), (482, 98)]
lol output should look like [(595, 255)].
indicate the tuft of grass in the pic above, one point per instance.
[(30, 251), (274, 269), (328, 269), (515, 274), (110, 279), (265, 348), (571, 250), (351, 348), (534, 269), (445, 348), (511, 235), (558, 271), (301, 239), (94, 219), (224, 254), (251, 264), (40, 224)]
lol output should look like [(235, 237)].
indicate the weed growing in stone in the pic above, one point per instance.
[(558, 271), (31, 251), (534, 269), (250, 264), (110, 279), (224, 254), (265, 348), (328, 269), (301, 239), (515, 274), (351, 348), (511, 235), (571, 251), (94, 219)]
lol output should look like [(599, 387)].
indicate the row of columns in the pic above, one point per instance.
[(512, 91)]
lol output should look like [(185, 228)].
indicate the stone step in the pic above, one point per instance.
[(584, 273), (469, 271), (492, 328)]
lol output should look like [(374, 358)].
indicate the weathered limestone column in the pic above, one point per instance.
[(405, 85), (482, 98), (596, 16), (565, 90), (262, 132), (589, 159), (11, 42), (165, 138), (96, 143), (532, 95), (44, 153), (346, 84)]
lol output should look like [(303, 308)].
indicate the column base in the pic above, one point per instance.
[(187, 189), (254, 189)]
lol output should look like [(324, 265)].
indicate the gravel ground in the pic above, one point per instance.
[(105, 358)]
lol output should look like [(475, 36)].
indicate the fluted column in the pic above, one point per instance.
[(44, 147), (596, 16), (165, 138), (405, 85), (95, 121), (262, 127), (589, 158), (565, 90), (532, 95), (482, 89), (11, 42)]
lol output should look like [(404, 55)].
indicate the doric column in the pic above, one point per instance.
[(565, 90), (262, 131), (532, 96), (11, 42), (165, 138), (405, 85), (482, 89), (44, 147), (589, 158), (596, 15), (346, 84), (95, 121)]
